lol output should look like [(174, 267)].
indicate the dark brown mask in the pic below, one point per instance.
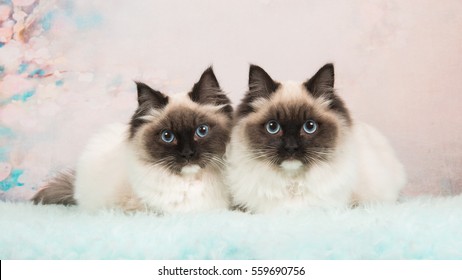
[(188, 130)]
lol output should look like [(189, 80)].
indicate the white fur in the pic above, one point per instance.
[(168, 193), (111, 173), (364, 169), (381, 176), (291, 165), (190, 169), (262, 188)]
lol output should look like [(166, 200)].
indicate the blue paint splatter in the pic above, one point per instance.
[(47, 20), (25, 96), (2, 69), (4, 154), (39, 72), (1, 44), (69, 7), (15, 174), (88, 21), (19, 97), (6, 132), (22, 68), (12, 180), (59, 83)]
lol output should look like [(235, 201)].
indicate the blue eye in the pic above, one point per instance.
[(167, 136), (273, 127), (202, 130), (310, 126)]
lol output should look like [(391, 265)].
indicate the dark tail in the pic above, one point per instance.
[(59, 190)]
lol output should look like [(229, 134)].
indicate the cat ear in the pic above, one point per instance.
[(322, 82), (208, 91), (155, 98), (322, 85), (260, 83), (149, 101)]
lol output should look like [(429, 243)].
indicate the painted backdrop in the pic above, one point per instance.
[(67, 68)]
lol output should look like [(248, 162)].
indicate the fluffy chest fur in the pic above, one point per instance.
[(259, 187), (164, 192), (168, 159), (109, 174), (296, 145), (364, 169)]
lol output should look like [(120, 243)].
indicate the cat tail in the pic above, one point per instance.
[(59, 190)]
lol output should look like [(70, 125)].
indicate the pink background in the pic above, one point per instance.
[(398, 66)]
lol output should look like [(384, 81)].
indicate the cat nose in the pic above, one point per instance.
[(291, 146), (187, 153)]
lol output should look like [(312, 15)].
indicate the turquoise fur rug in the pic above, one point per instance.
[(419, 228)]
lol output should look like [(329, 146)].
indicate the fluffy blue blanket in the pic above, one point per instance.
[(420, 228)]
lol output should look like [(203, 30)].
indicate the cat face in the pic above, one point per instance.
[(292, 126), (183, 133)]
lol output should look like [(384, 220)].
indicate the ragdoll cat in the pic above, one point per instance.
[(168, 159), (296, 145)]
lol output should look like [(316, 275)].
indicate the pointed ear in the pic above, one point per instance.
[(260, 83), (148, 99), (154, 98), (208, 91), (322, 82)]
